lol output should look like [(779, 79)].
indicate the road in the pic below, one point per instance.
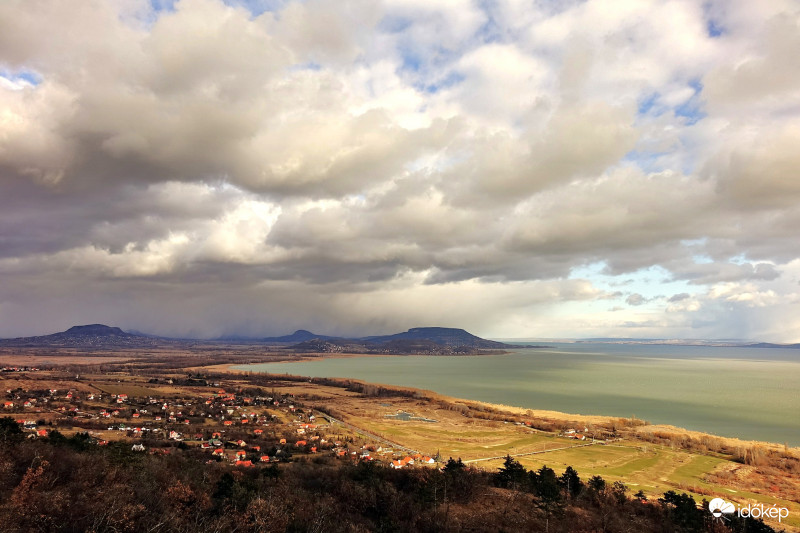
[(532, 453)]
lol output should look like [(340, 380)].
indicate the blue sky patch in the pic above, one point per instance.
[(691, 110), (29, 76)]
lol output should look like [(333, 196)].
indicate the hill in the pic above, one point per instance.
[(301, 335), (87, 336), (453, 337), (415, 341)]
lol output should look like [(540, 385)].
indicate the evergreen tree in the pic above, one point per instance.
[(512, 474), (570, 482), (597, 484)]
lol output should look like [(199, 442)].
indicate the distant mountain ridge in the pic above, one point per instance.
[(421, 340), (417, 341), (444, 336)]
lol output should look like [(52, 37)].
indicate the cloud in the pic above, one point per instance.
[(679, 297), (254, 167), (636, 299)]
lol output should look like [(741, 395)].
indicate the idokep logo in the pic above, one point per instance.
[(719, 507)]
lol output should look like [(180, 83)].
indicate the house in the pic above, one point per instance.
[(241, 454), (427, 460), (219, 452), (398, 464), (8, 405), (42, 432), (408, 460), (283, 441), (300, 443), (258, 432), (137, 448), (264, 459), (244, 463)]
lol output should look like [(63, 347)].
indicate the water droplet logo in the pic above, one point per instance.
[(718, 507)]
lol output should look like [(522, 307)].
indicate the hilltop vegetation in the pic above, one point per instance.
[(71, 484)]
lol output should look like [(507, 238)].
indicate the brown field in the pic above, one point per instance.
[(57, 359)]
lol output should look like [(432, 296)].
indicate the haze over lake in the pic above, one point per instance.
[(750, 393)]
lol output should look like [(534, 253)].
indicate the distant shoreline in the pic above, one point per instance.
[(517, 410)]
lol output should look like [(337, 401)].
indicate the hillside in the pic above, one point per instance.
[(301, 335), (87, 336), (422, 341), (444, 336)]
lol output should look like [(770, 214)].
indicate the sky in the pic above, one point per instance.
[(517, 168)]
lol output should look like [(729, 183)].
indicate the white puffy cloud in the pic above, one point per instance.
[(348, 166)]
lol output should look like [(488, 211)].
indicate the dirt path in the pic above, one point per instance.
[(532, 453)]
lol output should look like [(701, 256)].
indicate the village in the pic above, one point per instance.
[(215, 425)]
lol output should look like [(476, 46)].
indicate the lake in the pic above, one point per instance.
[(749, 393)]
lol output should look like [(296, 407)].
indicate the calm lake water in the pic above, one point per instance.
[(750, 393)]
